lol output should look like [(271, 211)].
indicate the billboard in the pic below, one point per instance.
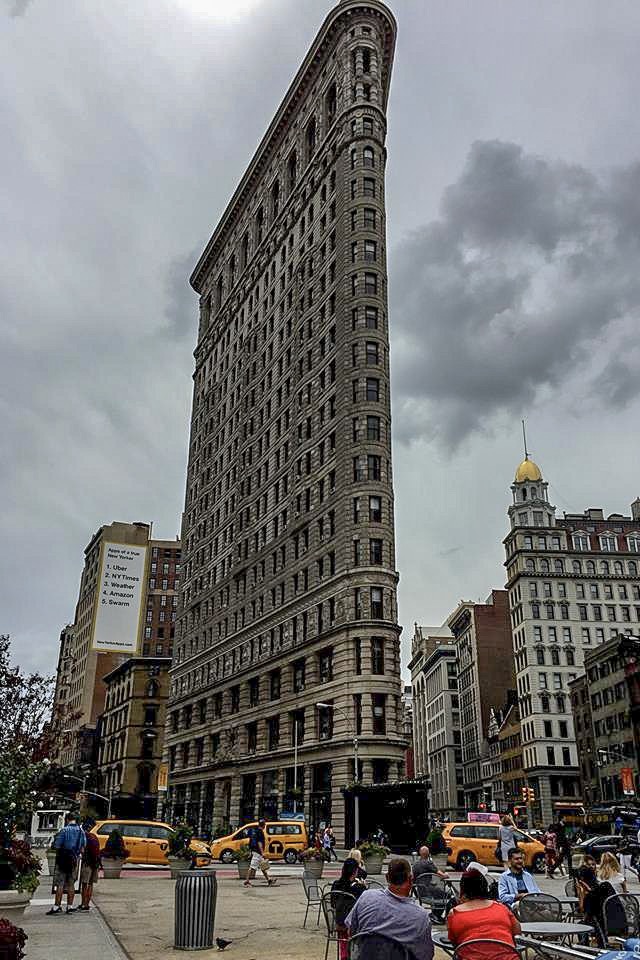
[(628, 785), (118, 611), (163, 777)]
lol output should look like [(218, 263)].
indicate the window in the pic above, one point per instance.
[(375, 552), (580, 541), (368, 158), (368, 187), (371, 284), (376, 603), (370, 251), (325, 723), (608, 543), (372, 353), (378, 701), (370, 223), (551, 757), (273, 732), (373, 428), (373, 389), (252, 737), (371, 317), (374, 467), (633, 542), (325, 665), (375, 510), (377, 655), (254, 691), (235, 699), (274, 685)]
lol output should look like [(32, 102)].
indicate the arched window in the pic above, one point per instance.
[(524, 493), (577, 566), (544, 566), (531, 566), (617, 567), (633, 568), (604, 567), (331, 105), (534, 493), (558, 566), (311, 137), (591, 568)]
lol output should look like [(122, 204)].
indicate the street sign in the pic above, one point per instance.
[(626, 778)]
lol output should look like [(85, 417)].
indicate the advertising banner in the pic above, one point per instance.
[(117, 618), (626, 778), (163, 777)]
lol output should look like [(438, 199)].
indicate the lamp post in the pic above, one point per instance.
[(356, 797), (295, 763), (92, 793)]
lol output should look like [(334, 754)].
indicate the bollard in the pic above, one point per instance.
[(195, 909)]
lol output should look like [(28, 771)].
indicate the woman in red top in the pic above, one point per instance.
[(477, 917)]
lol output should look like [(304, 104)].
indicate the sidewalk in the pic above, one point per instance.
[(79, 936)]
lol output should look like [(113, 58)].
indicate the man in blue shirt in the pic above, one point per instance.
[(258, 859), (516, 882), (394, 913), (68, 844)]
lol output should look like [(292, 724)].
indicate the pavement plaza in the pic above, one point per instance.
[(135, 915)]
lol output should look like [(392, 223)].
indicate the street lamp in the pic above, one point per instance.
[(83, 780), (356, 797)]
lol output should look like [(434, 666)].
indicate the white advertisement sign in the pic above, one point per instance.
[(116, 626)]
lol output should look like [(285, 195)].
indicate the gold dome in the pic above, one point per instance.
[(528, 471)]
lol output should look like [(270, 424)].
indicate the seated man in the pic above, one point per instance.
[(425, 868), (394, 913), (516, 882)]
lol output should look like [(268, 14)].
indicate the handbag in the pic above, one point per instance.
[(498, 853)]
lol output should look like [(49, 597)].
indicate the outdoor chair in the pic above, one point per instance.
[(496, 949), (435, 893), (336, 905), (375, 884), (376, 946), (570, 889), (540, 907), (313, 894), (621, 916)]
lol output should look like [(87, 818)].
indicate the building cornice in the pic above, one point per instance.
[(268, 146)]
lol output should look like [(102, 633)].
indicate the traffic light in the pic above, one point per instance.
[(530, 795), (524, 794)]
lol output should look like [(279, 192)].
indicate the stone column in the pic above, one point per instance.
[(339, 779)]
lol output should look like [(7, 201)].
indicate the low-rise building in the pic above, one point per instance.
[(131, 734), (609, 764)]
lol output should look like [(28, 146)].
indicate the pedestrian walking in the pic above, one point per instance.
[(550, 840), (90, 865), (68, 844), (329, 843), (506, 839), (257, 844), (626, 852)]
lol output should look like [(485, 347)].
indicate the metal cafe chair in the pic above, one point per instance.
[(376, 946), (313, 894), (535, 907), (335, 905)]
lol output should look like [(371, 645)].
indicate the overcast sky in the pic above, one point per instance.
[(514, 231)]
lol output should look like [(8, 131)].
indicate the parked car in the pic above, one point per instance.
[(596, 846), (465, 842), (146, 840), (285, 839)]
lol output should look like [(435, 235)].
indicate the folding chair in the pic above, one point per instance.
[(313, 894), (540, 907)]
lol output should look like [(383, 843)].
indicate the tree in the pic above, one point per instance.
[(25, 707)]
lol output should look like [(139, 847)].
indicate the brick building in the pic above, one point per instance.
[(289, 644), (484, 656)]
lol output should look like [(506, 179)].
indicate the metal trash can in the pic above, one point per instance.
[(195, 909)]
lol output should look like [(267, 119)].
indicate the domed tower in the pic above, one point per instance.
[(530, 507)]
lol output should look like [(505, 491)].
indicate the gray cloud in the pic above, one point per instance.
[(19, 8), (182, 302), (528, 274)]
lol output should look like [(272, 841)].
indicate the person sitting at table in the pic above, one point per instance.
[(346, 883), (611, 871), (516, 882), (424, 868), (478, 917), (356, 855)]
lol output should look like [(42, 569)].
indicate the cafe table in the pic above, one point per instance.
[(553, 930)]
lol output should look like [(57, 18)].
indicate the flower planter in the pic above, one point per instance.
[(373, 865), (177, 865), (13, 903), (111, 867), (243, 868), (313, 868)]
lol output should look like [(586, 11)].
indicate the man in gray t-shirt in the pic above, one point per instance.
[(394, 913), (425, 868)]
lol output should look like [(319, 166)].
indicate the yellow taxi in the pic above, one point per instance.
[(284, 840), (465, 842), (146, 840)]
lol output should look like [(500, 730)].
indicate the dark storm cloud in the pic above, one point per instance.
[(529, 273)]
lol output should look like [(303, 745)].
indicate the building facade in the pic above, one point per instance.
[(436, 718), (484, 656), (79, 696), (604, 728), (289, 644), (573, 584), (510, 745), (131, 735)]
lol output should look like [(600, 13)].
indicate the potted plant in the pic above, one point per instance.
[(19, 875), (113, 855), (313, 859), (373, 855), (180, 855), (242, 857), (12, 940)]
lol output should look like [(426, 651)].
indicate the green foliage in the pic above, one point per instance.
[(242, 853), (314, 853), (11, 936), (373, 851), (114, 848), (179, 841)]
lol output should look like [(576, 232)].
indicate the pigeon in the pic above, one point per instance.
[(222, 944)]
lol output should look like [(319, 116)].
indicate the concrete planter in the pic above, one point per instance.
[(13, 903), (177, 865), (112, 866), (373, 865), (313, 868)]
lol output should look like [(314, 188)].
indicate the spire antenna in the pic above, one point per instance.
[(524, 437)]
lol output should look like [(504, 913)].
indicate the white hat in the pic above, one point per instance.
[(474, 865)]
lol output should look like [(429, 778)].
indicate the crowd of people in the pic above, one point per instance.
[(484, 909)]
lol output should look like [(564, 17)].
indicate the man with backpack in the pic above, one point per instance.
[(68, 844), (257, 844)]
